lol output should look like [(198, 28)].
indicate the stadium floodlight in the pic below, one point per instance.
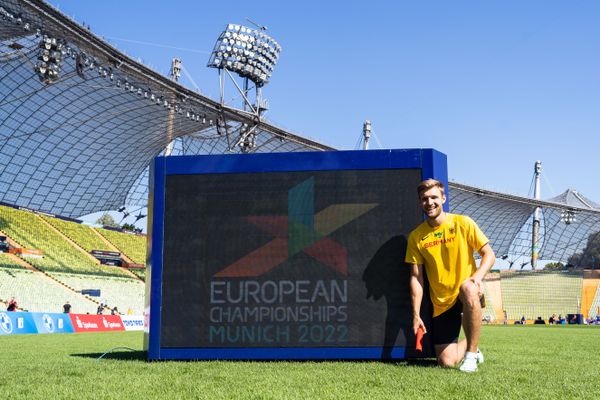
[(251, 54), (175, 69), (49, 59), (568, 217), (248, 52)]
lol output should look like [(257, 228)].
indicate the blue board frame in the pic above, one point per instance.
[(432, 163)]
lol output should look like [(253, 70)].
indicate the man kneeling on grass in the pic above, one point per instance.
[(444, 244)]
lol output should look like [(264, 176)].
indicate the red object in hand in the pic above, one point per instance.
[(419, 344)]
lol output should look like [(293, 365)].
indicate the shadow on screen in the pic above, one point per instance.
[(388, 276)]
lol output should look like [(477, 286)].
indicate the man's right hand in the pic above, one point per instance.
[(418, 322)]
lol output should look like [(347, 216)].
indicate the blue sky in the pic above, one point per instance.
[(495, 85)]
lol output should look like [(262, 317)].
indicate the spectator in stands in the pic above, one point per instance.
[(443, 246), (114, 311), (100, 309), (67, 308), (12, 305)]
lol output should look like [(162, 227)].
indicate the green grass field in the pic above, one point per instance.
[(522, 362)]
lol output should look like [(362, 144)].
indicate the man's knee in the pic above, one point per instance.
[(447, 354), (447, 361), (469, 292)]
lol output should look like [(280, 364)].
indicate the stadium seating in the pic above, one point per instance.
[(125, 293), (6, 262), (140, 273), (37, 293), (593, 312), (89, 240), (488, 312), (540, 293), (81, 234), (30, 231), (133, 246)]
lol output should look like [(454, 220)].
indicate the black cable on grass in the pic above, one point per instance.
[(115, 348)]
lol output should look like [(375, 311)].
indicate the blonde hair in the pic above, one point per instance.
[(428, 184)]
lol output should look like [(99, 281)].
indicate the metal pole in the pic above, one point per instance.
[(259, 105), (222, 86), (245, 90), (241, 91), (175, 69), (536, 217), (366, 134), (175, 74)]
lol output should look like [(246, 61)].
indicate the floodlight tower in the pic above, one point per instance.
[(366, 134), (175, 73), (175, 69), (251, 54), (536, 216)]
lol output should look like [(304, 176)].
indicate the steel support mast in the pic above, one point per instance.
[(536, 216)]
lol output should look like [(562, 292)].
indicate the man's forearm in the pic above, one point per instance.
[(416, 294), (487, 262)]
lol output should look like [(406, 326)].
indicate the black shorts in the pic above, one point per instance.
[(446, 326)]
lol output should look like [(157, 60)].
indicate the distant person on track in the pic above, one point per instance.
[(443, 247), (67, 308)]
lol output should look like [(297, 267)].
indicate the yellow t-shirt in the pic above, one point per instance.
[(447, 254)]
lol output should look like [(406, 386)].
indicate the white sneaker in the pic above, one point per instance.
[(480, 358), (469, 363)]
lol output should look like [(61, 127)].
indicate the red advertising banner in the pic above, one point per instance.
[(26, 252), (134, 266), (96, 323)]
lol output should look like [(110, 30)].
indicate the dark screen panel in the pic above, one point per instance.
[(288, 259)]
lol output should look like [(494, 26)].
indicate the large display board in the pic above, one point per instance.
[(274, 256)]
